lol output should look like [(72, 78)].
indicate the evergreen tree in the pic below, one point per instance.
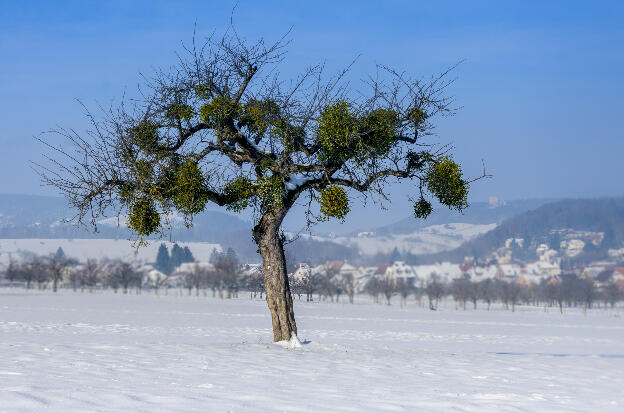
[(163, 262), (395, 256), (188, 255), (230, 253), (177, 256), (60, 255)]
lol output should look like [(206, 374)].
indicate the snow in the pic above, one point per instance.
[(297, 179), (293, 343), (106, 352)]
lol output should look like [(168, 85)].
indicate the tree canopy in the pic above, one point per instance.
[(222, 127)]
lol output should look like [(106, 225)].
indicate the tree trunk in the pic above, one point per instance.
[(278, 296)]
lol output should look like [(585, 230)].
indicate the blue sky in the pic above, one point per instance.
[(541, 87)]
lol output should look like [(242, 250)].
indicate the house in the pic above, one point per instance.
[(618, 274), (400, 270)]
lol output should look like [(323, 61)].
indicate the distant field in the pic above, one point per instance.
[(102, 352)]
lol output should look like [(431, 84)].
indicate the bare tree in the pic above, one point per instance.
[(306, 283), (587, 292), (388, 287), (88, 275), (197, 278), (41, 272), (510, 292), (74, 276), (32, 270), (326, 281), (373, 288), (434, 290), (223, 128), (612, 294), (56, 266), (461, 291), (254, 283), (486, 292), (124, 275), (348, 286), (296, 285), (227, 270), (473, 293), (404, 286), (12, 271)]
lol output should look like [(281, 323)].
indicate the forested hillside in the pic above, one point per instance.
[(536, 226)]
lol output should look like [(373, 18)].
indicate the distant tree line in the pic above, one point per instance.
[(565, 291), (53, 271), (225, 277)]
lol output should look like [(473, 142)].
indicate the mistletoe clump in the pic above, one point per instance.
[(219, 111), (334, 202), (143, 218), (237, 194), (145, 136), (379, 130), (444, 180), (422, 208), (337, 128), (270, 190), (259, 115), (178, 111), (189, 195)]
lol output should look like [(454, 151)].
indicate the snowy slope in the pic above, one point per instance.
[(431, 239), (126, 353)]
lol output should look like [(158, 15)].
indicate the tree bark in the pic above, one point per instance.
[(278, 296)]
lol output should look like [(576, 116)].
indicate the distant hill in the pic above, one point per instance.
[(28, 216), (42, 217), (34, 216), (30, 210), (444, 230), (597, 215), (478, 213)]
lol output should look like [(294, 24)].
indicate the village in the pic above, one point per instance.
[(498, 277)]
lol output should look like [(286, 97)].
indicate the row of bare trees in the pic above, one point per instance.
[(53, 271), (327, 283), (564, 291), (225, 277)]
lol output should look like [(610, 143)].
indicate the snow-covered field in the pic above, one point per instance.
[(101, 352), (98, 248)]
